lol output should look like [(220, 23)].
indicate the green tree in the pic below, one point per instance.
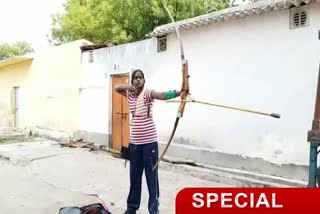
[(122, 21), (16, 49)]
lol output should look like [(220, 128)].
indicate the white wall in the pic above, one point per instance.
[(94, 103), (51, 100), (256, 63)]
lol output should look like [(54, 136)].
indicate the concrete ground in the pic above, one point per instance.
[(41, 177)]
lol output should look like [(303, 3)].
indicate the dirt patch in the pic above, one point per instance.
[(78, 144)]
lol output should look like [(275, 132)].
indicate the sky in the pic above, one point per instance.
[(28, 20)]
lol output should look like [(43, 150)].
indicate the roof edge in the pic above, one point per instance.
[(14, 60), (237, 12)]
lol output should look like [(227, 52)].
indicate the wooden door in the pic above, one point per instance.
[(120, 115)]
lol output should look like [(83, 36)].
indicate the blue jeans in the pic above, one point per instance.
[(143, 157)]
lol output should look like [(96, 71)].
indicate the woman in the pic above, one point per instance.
[(143, 144)]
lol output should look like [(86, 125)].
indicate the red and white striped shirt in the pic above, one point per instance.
[(143, 129)]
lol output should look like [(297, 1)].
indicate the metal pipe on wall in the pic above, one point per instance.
[(314, 139)]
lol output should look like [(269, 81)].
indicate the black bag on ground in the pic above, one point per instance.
[(88, 209)]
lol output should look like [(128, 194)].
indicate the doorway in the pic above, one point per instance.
[(120, 115), (15, 105)]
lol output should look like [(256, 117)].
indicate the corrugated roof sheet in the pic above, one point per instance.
[(14, 60), (241, 11)]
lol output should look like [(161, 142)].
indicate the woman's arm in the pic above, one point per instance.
[(123, 88), (165, 95)]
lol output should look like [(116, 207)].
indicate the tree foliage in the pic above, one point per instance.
[(17, 49), (122, 21)]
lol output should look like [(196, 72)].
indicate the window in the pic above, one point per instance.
[(162, 43), (299, 17)]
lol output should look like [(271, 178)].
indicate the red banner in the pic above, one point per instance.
[(248, 200)]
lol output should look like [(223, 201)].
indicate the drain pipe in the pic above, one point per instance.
[(314, 139)]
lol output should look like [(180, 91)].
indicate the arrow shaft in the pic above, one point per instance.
[(221, 106)]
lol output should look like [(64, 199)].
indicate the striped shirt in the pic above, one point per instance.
[(143, 129)]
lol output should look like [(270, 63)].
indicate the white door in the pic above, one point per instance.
[(16, 99)]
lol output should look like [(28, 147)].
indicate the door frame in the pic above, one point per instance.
[(112, 75)]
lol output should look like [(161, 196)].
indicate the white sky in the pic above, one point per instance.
[(28, 20)]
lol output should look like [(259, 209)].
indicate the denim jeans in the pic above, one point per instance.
[(143, 157)]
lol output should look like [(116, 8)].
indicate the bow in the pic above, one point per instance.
[(184, 88)]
